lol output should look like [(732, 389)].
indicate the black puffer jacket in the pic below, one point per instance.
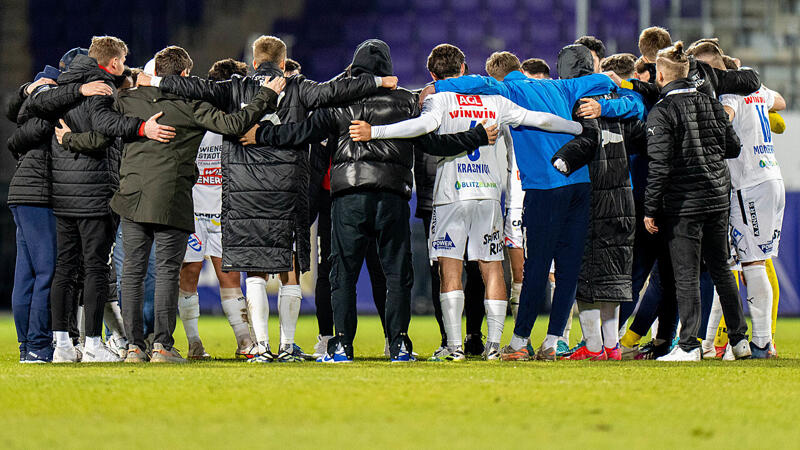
[(30, 145), (608, 255), (84, 183), (265, 189), (689, 137)]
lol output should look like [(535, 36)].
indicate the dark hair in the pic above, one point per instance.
[(535, 66), (225, 68), (291, 65), (594, 44), (707, 48), (622, 64), (641, 65), (172, 61), (445, 61)]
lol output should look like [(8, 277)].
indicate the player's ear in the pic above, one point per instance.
[(433, 76), (463, 69)]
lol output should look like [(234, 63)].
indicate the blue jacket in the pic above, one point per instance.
[(535, 148)]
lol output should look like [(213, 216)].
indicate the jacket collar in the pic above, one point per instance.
[(682, 84), (269, 68), (515, 75)]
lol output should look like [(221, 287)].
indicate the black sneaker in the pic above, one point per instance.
[(473, 345)]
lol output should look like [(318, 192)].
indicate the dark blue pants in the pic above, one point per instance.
[(555, 224), (33, 275)]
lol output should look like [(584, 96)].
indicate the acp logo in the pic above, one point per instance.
[(469, 100)]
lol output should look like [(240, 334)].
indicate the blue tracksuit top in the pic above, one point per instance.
[(535, 148)]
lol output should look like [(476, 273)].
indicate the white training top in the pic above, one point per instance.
[(756, 163), (207, 192), (514, 193), (481, 173)]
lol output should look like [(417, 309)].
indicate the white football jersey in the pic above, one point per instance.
[(480, 174), (207, 192), (757, 162), (514, 193)]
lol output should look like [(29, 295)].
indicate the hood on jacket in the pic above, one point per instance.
[(575, 61), (84, 69), (373, 57)]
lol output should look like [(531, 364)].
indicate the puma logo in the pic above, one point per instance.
[(652, 131)]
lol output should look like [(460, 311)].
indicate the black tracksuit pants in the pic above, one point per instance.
[(690, 239), (91, 239), (357, 219)]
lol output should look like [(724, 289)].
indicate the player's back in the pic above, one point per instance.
[(756, 163)]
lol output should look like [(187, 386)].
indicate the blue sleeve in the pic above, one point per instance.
[(628, 106), (473, 84), (595, 84)]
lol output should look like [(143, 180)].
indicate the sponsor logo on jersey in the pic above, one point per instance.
[(767, 163), (443, 244), (475, 184), (472, 114), (493, 241), (195, 243), (210, 176), (767, 247), (469, 100), (753, 217), (754, 99), (764, 149)]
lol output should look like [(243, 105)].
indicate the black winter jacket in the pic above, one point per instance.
[(265, 188), (84, 183), (30, 145), (608, 254), (689, 137)]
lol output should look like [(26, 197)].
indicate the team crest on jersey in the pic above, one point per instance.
[(443, 244), (469, 100), (195, 243)]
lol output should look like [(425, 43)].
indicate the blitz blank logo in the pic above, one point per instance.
[(469, 100)]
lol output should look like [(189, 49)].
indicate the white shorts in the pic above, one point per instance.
[(513, 228), (471, 225), (206, 239), (756, 220)]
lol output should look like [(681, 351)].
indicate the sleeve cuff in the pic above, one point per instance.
[(141, 130), (378, 81), (155, 81)]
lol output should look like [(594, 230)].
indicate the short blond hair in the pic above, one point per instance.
[(500, 64), (269, 49), (106, 48), (653, 39), (708, 49), (673, 62)]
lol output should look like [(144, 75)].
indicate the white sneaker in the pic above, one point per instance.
[(679, 355), (707, 347), (741, 350), (321, 347), (492, 351), (66, 355), (118, 346), (101, 355), (728, 354)]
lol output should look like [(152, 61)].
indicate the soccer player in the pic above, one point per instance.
[(206, 241), (467, 214), (566, 199), (758, 199), (536, 68), (265, 224), (688, 187)]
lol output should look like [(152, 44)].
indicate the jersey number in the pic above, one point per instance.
[(764, 118), (474, 155)]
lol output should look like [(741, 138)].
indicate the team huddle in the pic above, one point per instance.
[(652, 175)]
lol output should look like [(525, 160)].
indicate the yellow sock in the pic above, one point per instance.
[(721, 338), (776, 293), (630, 339)]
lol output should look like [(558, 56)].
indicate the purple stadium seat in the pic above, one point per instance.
[(538, 8), (429, 6), (398, 29), (432, 31), (466, 6), (393, 6), (510, 32), (501, 6)]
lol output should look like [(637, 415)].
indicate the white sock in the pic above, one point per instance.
[(112, 316), (452, 308), (714, 318), (759, 296), (516, 289), (550, 341), (495, 319), (62, 339), (93, 343), (591, 324), (518, 342), (609, 314), (235, 307), (258, 307), (81, 324), (289, 298), (189, 311), (565, 337)]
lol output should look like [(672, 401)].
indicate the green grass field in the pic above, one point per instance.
[(476, 404)]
